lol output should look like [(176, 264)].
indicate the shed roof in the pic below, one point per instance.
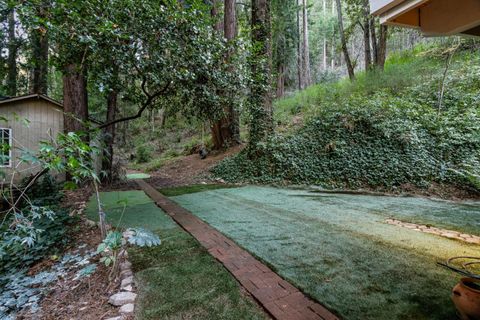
[(10, 100), (432, 17)]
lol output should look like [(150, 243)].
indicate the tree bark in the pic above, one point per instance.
[(109, 135), (324, 37), (260, 104), (374, 42), (39, 40), (382, 47), (299, 51), (351, 71), (12, 55), (305, 47), (366, 36), (75, 98), (230, 32), (280, 81)]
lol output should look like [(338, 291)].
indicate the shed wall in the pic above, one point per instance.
[(46, 121)]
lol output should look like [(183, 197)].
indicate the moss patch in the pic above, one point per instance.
[(338, 249), (194, 188)]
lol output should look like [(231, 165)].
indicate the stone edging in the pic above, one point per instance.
[(469, 238), (126, 296)]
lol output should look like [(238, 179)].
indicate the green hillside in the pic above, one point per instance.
[(383, 131)]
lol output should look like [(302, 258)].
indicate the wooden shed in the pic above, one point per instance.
[(31, 119), (432, 17)]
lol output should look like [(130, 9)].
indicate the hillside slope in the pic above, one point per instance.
[(385, 131)]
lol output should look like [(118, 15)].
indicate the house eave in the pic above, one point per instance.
[(31, 97)]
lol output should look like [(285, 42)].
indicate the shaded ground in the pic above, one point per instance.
[(189, 169), (338, 248), (82, 299), (178, 279)]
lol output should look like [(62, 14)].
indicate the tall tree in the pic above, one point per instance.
[(299, 50), (12, 54), (260, 104), (348, 61), (366, 34), (305, 45), (284, 38), (39, 43), (75, 96), (230, 32)]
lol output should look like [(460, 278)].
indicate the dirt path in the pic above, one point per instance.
[(189, 170)]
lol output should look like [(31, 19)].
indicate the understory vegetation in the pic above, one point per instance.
[(385, 130)]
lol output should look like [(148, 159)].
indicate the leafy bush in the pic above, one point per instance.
[(144, 154), (385, 139), (20, 248)]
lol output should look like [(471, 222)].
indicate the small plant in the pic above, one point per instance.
[(144, 154), (114, 245)]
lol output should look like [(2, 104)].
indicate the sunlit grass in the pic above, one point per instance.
[(339, 250)]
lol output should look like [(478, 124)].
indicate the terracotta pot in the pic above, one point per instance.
[(466, 296)]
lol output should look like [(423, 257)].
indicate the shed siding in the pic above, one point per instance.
[(46, 121)]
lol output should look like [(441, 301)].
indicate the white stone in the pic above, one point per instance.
[(121, 298), (125, 265), (127, 281), (115, 318), (127, 308), (125, 274), (127, 288)]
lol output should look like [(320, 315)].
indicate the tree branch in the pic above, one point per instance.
[(148, 102)]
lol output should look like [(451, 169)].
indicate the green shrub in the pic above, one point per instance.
[(144, 154)]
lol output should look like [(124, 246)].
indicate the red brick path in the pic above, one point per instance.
[(282, 300)]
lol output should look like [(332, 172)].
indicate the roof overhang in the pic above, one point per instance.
[(30, 97), (432, 17)]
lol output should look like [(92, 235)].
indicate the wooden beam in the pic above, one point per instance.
[(401, 9), (446, 17), (409, 19), (380, 6)]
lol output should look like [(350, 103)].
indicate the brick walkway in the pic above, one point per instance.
[(282, 300)]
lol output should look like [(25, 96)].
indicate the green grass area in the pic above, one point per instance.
[(338, 248), (133, 176), (178, 279), (177, 191), (181, 280), (129, 209)]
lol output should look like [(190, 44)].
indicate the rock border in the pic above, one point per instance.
[(125, 298), (450, 234)]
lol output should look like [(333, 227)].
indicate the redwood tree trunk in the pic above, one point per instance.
[(75, 98), (12, 56), (39, 40), (226, 131), (351, 71), (260, 104), (230, 31)]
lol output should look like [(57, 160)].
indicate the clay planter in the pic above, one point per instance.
[(466, 296)]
